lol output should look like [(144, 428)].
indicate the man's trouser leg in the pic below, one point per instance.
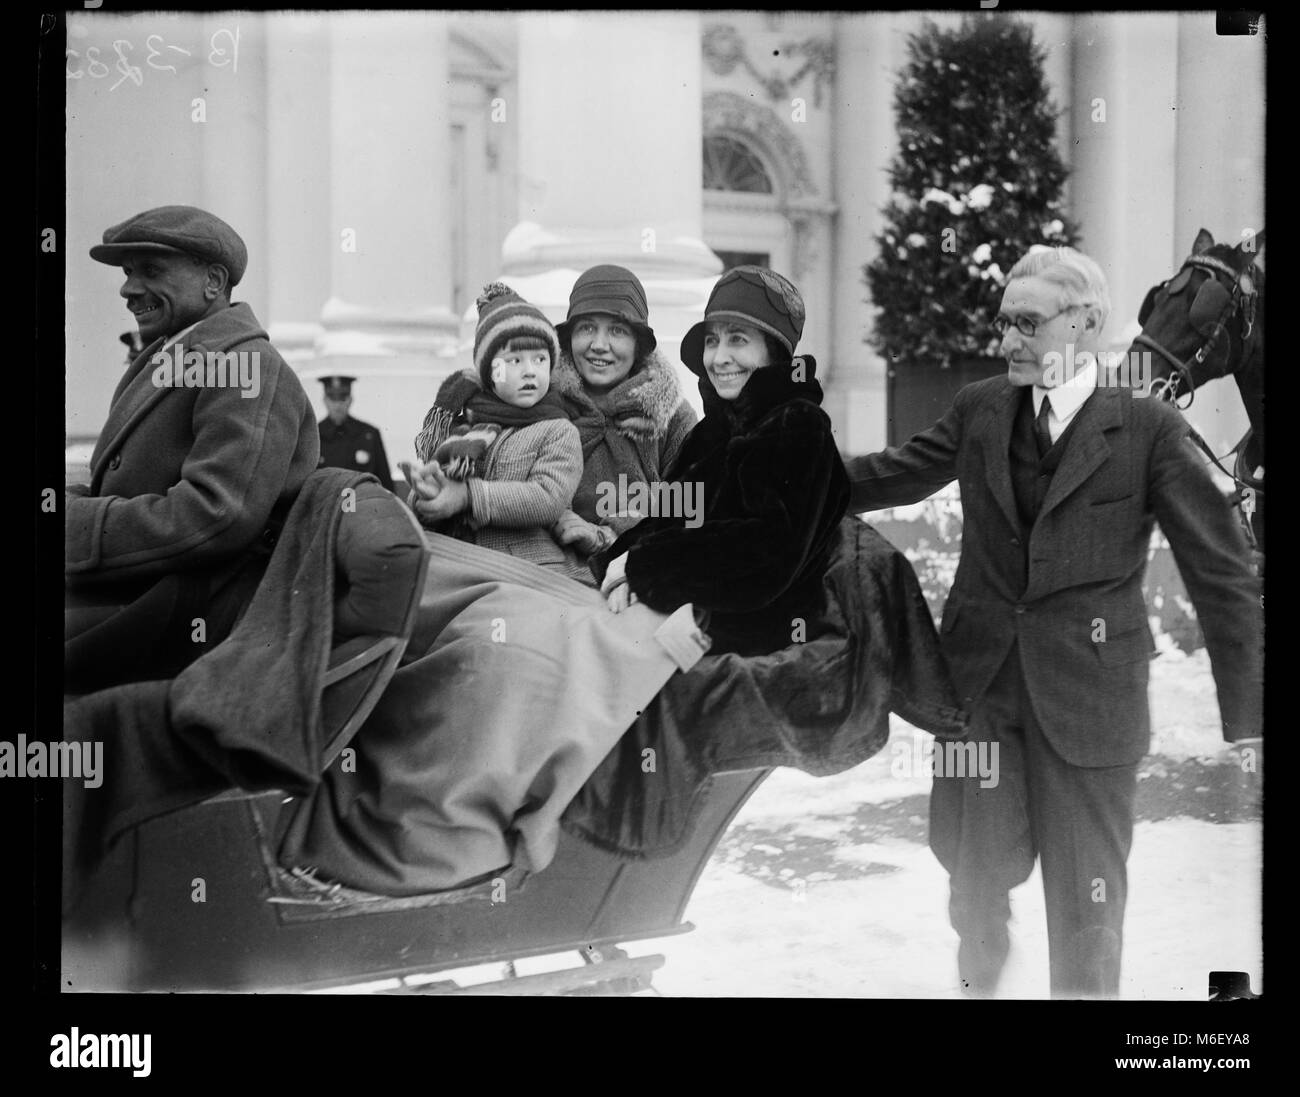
[(982, 835), (1083, 827)]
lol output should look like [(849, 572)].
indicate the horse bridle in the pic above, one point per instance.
[(1167, 387)]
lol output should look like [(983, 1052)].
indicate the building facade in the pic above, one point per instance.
[(383, 167)]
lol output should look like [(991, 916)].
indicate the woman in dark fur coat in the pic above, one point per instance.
[(774, 487)]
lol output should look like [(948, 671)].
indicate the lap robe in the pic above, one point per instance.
[(516, 684)]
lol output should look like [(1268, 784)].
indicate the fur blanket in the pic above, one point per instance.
[(821, 706)]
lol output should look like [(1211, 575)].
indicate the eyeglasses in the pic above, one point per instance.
[(1025, 325)]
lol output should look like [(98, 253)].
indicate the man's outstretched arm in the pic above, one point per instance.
[(907, 473)]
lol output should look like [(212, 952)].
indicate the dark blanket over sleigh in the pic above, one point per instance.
[(821, 706)]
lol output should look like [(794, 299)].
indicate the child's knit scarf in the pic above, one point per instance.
[(465, 420)]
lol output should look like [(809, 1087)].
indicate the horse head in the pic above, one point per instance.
[(1207, 322)]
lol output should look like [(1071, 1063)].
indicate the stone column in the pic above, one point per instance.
[(1123, 168), (609, 140), (1220, 173), (869, 52), (233, 136), (297, 195), (386, 320)]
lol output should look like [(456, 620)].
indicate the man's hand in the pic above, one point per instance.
[(449, 499), (573, 529)]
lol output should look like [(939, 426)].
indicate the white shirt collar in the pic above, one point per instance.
[(1068, 397)]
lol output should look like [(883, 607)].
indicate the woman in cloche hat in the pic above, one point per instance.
[(623, 397), (774, 487)]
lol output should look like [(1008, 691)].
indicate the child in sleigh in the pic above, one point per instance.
[(500, 458)]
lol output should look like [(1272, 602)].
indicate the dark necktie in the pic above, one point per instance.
[(1042, 435)]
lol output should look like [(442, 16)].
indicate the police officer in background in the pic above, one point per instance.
[(348, 443)]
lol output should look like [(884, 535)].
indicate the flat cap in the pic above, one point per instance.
[(184, 229)]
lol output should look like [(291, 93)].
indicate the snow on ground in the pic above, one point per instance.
[(824, 887)]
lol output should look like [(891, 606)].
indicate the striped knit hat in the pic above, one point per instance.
[(503, 315)]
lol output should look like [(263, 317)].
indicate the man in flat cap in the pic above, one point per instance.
[(348, 443), (209, 437)]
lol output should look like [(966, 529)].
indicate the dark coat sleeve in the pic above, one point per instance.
[(1210, 550), (243, 454), (743, 559), (910, 472)]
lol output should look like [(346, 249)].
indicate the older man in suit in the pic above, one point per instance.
[(208, 439), (1062, 476)]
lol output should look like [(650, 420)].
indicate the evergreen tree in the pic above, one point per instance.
[(977, 181)]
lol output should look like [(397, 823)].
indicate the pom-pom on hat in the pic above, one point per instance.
[(749, 295), (612, 291), (503, 315)]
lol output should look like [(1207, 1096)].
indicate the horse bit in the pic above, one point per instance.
[(1167, 387)]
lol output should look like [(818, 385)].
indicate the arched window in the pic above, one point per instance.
[(730, 165)]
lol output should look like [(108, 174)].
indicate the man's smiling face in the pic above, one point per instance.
[(167, 292)]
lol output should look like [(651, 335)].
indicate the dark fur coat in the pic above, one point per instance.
[(774, 490)]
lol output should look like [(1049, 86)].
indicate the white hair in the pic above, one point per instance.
[(1078, 277)]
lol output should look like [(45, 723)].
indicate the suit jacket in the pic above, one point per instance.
[(1072, 599), (184, 479)]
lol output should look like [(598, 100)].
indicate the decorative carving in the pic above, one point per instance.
[(471, 57), (806, 229), (729, 164), (724, 50), (727, 113)]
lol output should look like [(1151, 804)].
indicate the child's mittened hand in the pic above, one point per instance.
[(421, 484), (451, 498)]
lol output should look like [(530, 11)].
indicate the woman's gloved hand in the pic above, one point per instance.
[(618, 594), (573, 529)]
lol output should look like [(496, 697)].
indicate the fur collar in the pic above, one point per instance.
[(644, 402), (765, 390)]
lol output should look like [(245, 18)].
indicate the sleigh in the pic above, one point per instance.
[(260, 928), (197, 899)]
